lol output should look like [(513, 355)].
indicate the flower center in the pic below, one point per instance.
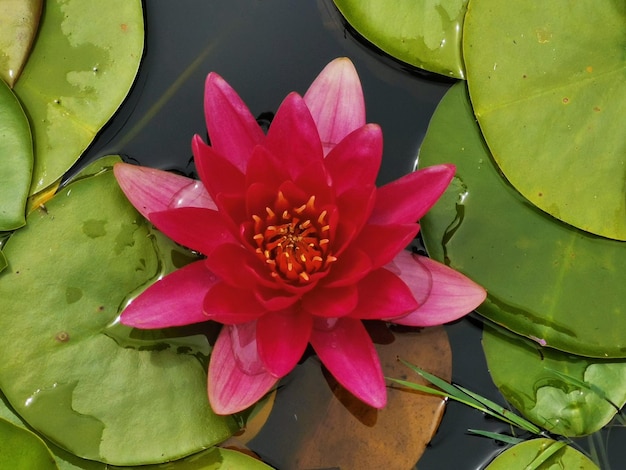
[(293, 241)]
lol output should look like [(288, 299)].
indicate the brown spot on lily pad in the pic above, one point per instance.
[(62, 337)]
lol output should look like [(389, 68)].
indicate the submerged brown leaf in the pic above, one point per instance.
[(317, 424)]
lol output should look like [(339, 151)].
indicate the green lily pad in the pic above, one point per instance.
[(82, 65), (98, 389), (20, 448), (545, 280), (16, 160), (423, 33), (548, 85), (541, 454), (215, 458), (19, 20), (562, 393)]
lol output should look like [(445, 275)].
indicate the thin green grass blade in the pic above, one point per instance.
[(497, 436), (517, 420)]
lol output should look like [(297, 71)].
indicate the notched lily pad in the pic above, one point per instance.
[(19, 20), (81, 67), (547, 81), (423, 33), (128, 397), (545, 280), (564, 394), (16, 160)]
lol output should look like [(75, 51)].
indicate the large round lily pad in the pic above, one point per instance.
[(564, 394), (548, 84), (545, 280), (423, 33), (99, 389), (81, 67), (16, 160)]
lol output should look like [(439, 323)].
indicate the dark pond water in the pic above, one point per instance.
[(266, 49)]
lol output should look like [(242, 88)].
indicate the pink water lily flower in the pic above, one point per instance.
[(300, 245)]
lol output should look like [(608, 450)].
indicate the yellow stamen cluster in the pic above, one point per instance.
[(293, 241)]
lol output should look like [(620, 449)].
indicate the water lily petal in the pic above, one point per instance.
[(382, 294), (448, 295), (331, 302), (192, 195), (383, 242), (174, 300), (355, 206), (236, 265), (407, 199), (265, 168), (345, 348), (352, 266), (335, 99), (230, 388), (355, 160), (293, 136), (259, 197), (232, 129), (282, 338), (151, 190), (218, 174), (230, 305), (314, 179), (199, 229), (276, 299)]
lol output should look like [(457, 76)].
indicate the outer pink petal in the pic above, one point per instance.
[(355, 160), (332, 302), (293, 137), (282, 338), (192, 195), (151, 190), (199, 229), (346, 349), (336, 102), (407, 199), (236, 382), (230, 305), (232, 129), (382, 294), (173, 300), (448, 294)]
